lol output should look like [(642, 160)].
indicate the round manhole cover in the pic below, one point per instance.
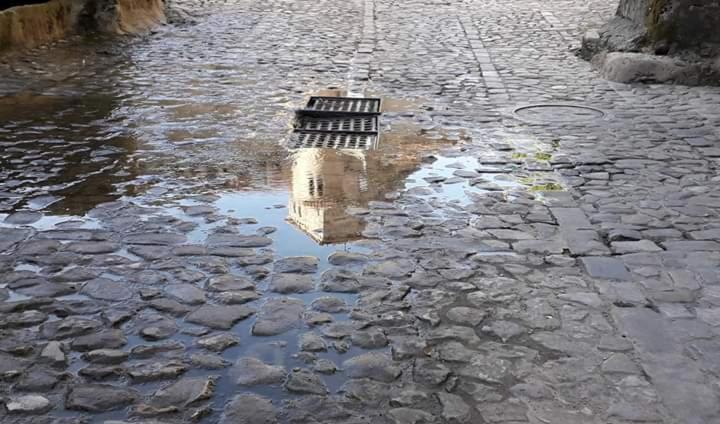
[(558, 113)]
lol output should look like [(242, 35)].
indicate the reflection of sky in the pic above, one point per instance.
[(261, 206)]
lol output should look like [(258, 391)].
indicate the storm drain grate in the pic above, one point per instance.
[(343, 105), (327, 140), (334, 124), (337, 123)]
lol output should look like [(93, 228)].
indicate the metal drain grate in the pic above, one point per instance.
[(361, 124), (343, 105), (337, 123), (332, 140)]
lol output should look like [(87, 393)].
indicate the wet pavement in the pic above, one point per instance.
[(528, 243)]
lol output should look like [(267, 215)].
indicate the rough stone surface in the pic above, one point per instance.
[(252, 372), (278, 316), (249, 409), (99, 397), (219, 316)]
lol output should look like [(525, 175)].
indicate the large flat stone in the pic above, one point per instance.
[(278, 316), (106, 289), (221, 317), (99, 397), (605, 268), (249, 408)]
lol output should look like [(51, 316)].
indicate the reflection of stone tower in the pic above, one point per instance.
[(324, 183)]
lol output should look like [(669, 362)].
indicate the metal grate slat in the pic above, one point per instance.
[(341, 105), (360, 124), (300, 140)]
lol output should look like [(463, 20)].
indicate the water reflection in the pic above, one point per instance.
[(326, 183), (60, 153)]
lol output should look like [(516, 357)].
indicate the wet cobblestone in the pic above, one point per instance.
[(164, 259)]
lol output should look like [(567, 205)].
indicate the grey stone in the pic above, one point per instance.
[(234, 240), (186, 293), (278, 316), (372, 365), (219, 342), (146, 351), (297, 264), (692, 246), (237, 297), (184, 392), (605, 268), (106, 356), (54, 354), (38, 379), (371, 338), (431, 372), (614, 344), (466, 316), (221, 317), (99, 397), (329, 304), (249, 408), (573, 218), (291, 283), (325, 366), (619, 363), (622, 247), (455, 410), (411, 416), (23, 217), (154, 371), (224, 283), (170, 306), (304, 381), (505, 330), (159, 330), (158, 238), (626, 67), (106, 289), (252, 372), (347, 258), (208, 361), (102, 372), (338, 330), (92, 247), (110, 339), (28, 404), (312, 342), (588, 299)]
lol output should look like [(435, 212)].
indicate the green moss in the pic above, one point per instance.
[(657, 28), (555, 143), (543, 156), (547, 187), (526, 180), (519, 155)]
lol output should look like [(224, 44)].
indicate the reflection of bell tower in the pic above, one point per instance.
[(324, 183)]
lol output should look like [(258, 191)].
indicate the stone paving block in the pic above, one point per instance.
[(573, 218), (606, 268), (691, 246)]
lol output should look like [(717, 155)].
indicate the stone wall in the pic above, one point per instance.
[(676, 25), (33, 25), (659, 41), (28, 26)]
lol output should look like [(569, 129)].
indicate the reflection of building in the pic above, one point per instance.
[(326, 182)]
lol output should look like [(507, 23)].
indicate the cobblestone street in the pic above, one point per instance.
[(528, 244)]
